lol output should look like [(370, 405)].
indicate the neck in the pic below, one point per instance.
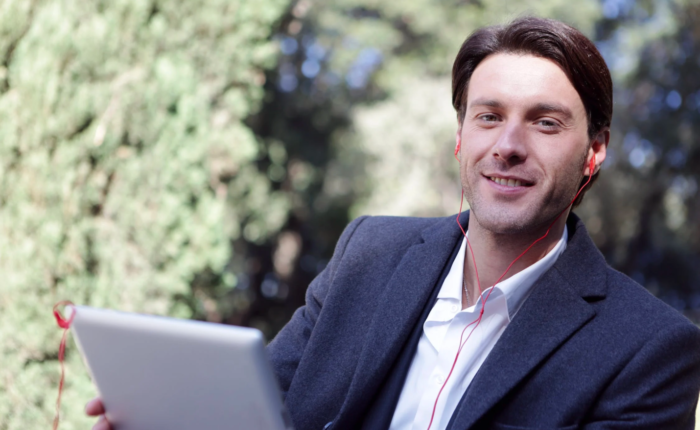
[(494, 252)]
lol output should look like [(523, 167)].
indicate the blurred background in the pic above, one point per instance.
[(200, 158)]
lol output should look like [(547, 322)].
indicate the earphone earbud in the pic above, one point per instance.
[(457, 151), (591, 166)]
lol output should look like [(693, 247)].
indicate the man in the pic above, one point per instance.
[(412, 326)]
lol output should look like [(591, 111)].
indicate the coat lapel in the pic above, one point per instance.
[(555, 310), (405, 296)]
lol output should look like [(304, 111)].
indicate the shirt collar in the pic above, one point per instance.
[(516, 288)]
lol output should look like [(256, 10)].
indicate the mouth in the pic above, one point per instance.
[(510, 182)]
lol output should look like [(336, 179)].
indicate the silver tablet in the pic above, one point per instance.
[(163, 373)]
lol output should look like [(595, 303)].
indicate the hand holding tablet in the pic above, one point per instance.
[(95, 408)]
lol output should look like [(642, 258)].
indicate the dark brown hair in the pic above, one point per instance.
[(569, 48)]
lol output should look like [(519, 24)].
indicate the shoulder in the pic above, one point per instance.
[(389, 225), (371, 246), (626, 293), (630, 320), (637, 308), (387, 232), (629, 312)]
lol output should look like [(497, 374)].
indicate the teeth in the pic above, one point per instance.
[(506, 182)]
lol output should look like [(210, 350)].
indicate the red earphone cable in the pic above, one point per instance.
[(64, 323), (477, 321)]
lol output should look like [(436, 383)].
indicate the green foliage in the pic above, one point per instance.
[(122, 144)]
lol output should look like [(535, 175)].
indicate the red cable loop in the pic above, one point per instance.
[(478, 283), (65, 325)]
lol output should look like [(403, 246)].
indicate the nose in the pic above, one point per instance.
[(511, 147)]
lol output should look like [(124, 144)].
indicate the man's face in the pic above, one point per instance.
[(524, 143)]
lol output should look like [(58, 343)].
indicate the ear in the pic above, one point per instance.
[(598, 149)]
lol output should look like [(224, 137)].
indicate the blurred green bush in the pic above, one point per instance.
[(122, 129)]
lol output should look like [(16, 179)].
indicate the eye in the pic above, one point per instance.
[(547, 124), (488, 117)]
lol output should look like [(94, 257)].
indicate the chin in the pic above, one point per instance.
[(521, 217), (498, 222), (505, 219)]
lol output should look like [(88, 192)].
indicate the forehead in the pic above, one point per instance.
[(521, 80)]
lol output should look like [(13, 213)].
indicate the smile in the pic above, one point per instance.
[(509, 182)]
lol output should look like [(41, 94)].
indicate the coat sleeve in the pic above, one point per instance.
[(287, 348), (658, 388)]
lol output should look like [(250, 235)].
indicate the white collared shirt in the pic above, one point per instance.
[(439, 342)]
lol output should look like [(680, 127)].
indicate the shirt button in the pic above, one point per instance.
[(455, 308), (439, 379)]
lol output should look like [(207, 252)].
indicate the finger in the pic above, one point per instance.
[(95, 407), (102, 424)]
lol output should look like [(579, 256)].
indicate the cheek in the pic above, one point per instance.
[(566, 171), (560, 156), (475, 145)]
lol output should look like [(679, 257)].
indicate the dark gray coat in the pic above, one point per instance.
[(589, 348)]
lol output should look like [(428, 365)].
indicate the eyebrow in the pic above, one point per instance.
[(537, 108), (486, 102)]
